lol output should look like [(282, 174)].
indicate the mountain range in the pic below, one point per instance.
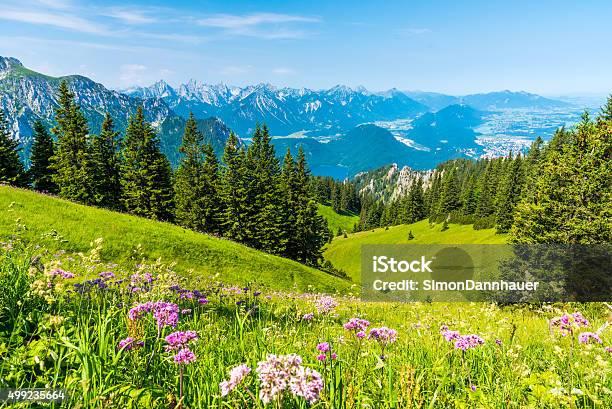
[(27, 96), (336, 126), (284, 110)]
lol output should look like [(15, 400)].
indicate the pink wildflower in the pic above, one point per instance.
[(184, 357), (237, 375), (326, 305), (383, 335), (180, 339), (129, 343), (465, 342), (589, 337), (307, 383)]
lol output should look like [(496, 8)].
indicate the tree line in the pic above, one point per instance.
[(249, 196), (341, 195)]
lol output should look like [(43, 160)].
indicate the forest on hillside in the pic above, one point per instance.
[(559, 192)]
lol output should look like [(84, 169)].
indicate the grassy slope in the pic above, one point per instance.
[(203, 254), (345, 253), (335, 220)]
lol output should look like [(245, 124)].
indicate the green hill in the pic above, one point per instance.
[(335, 220), (345, 253), (195, 254)]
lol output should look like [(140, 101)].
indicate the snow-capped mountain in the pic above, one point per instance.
[(27, 96), (284, 110)]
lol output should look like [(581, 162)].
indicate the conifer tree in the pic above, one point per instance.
[(416, 202), (265, 226), (449, 200), (234, 190), (40, 172), (290, 192), (509, 194), (11, 167), (72, 162), (606, 111), (105, 149), (195, 187), (486, 191), (311, 228), (572, 194), (145, 172)]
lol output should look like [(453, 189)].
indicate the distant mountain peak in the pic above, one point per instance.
[(9, 62)]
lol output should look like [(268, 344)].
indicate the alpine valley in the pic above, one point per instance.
[(343, 130)]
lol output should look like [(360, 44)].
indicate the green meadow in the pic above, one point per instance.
[(344, 252), (62, 225)]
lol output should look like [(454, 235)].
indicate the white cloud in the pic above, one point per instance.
[(232, 21), (53, 19), (414, 31), (283, 71), (236, 70), (55, 4), (133, 74), (270, 26), (129, 15)]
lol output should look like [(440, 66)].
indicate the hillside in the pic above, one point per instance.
[(345, 253), (335, 220), (195, 254)]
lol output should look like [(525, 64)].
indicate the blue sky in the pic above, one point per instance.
[(456, 47)]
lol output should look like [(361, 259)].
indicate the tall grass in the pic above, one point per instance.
[(62, 336)]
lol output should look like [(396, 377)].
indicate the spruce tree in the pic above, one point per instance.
[(234, 190), (72, 162), (195, 186), (289, 192), (486, 191), (449, 200), (510, 191), (105, 149), (311, 228), (606, 111), (40, 172), (265, 225), (11, 167), (145, 172), (572, 194), (416, 202)]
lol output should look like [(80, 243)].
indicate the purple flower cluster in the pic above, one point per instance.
[(358, 326), (165, 313), (129, 343), (58, 272), (107, 275), (383, 335), (237, 375), (184, 357), (324, 347), (180, 339), (285, 372), (469, 341), (308, 316), (448, 334), (568, 322), (140, 282), (608, 349), (589, 338), (307, 383), (462, 342), (177, 341), (326, 305)]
